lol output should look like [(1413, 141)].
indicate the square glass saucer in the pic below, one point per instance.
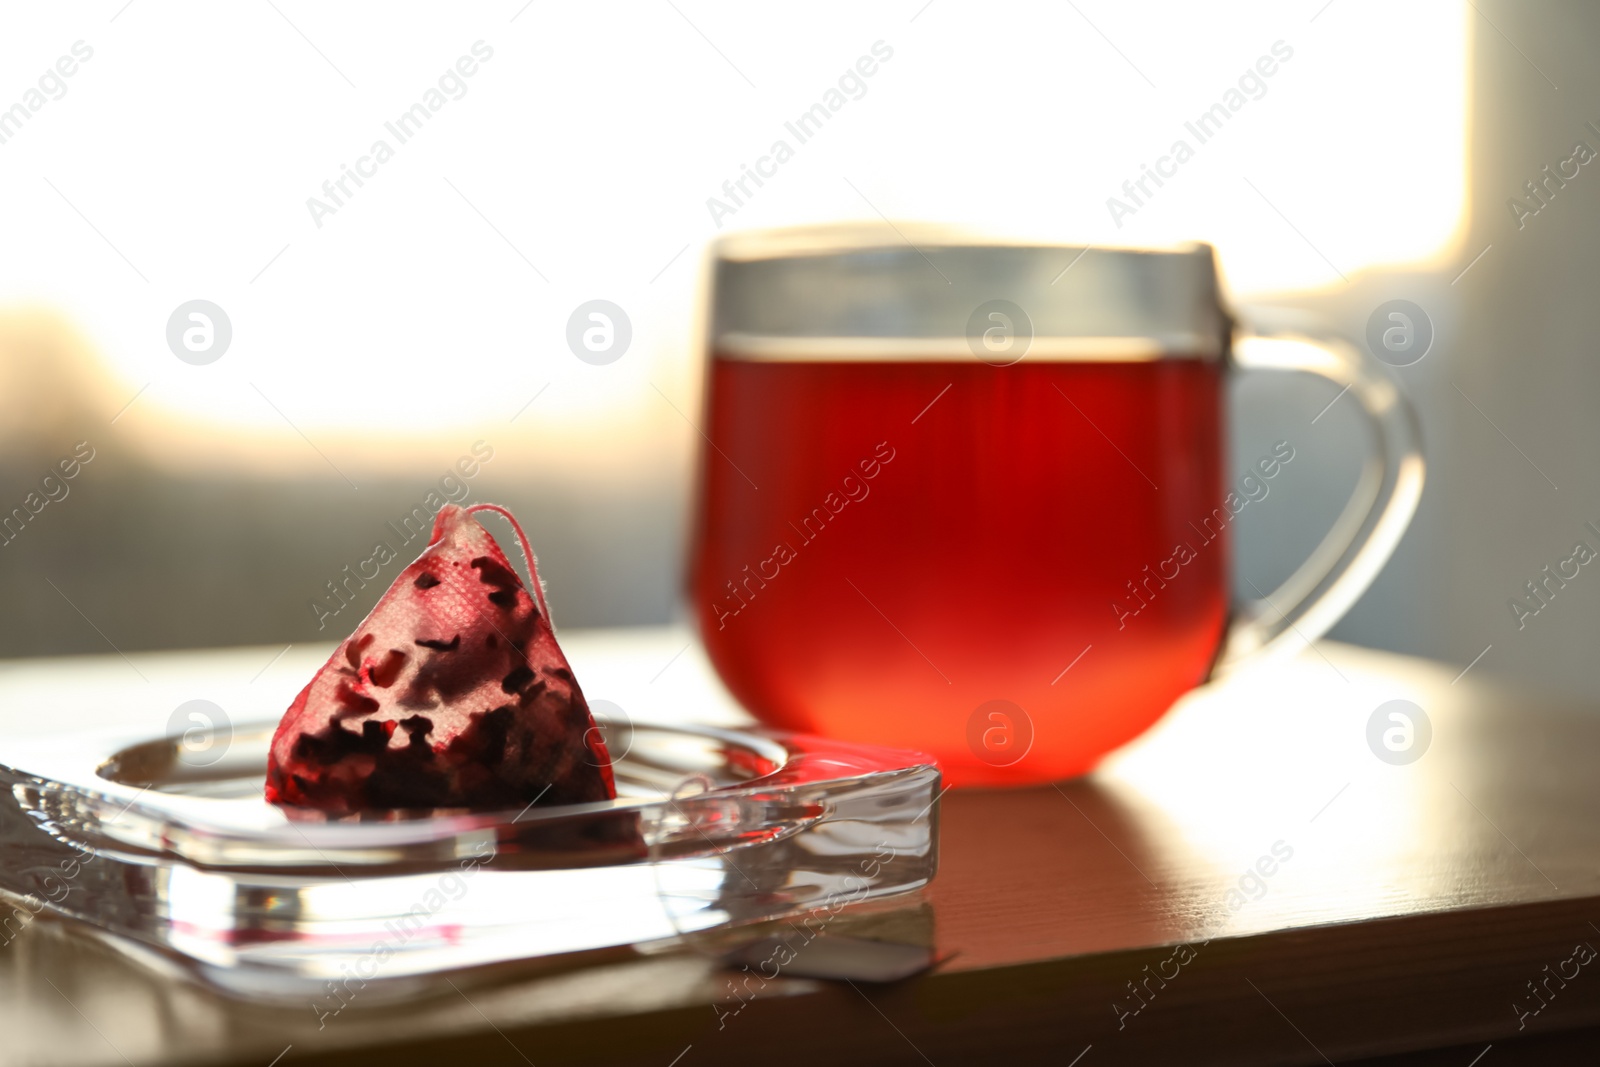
[(176, 852)]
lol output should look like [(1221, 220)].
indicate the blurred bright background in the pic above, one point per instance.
[(374, 345)]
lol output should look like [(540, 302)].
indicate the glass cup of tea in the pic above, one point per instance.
[(973, 499)]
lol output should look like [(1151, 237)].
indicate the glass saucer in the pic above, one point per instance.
[(180, 854)]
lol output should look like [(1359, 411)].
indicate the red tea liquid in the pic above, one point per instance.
[(912, 553)]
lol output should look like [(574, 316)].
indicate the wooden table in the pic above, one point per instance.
[(1249, 884)]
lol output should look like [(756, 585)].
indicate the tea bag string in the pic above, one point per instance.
[(527, 555)]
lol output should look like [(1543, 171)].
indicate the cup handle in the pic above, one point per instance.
[(1332, 579)]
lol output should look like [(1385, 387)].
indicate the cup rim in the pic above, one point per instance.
[(813, 240)]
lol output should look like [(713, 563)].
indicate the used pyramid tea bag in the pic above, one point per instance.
[(451, 693)]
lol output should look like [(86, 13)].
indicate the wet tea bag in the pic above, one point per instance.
[(451, 693)]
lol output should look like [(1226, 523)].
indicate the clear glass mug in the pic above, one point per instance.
[(936, 477)]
